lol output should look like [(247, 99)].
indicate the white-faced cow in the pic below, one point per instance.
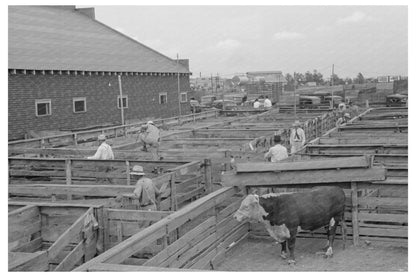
[(284, 214)]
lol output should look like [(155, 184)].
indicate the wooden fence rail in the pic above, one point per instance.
[(111, 132)]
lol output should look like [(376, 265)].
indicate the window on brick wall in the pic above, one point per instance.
[(43, 107), (125, 102), (184, 97), (163, 98), (79, 104)]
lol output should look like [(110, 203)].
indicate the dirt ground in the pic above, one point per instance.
[(263, 255)]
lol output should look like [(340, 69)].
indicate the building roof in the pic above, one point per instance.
[(64, 38)]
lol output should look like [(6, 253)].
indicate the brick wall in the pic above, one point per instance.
[(101, 100)]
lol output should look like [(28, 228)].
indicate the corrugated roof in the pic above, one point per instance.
[(52, 38)]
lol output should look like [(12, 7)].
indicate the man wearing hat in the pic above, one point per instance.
[(104, 152), (150, 135), (145, 192), (297, 137)]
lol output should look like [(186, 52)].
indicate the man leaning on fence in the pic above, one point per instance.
[(104, 152), (146, 192)]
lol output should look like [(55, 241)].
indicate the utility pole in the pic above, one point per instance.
[(212, 85), (294, 91), (216, 83), (179, 86), (121, 100), (332, 89)]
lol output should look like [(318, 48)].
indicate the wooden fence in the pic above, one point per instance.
[(352, 174), (196, 237), (77, 179), (52, 237), (61, 236), (382, 205), (76, 138)]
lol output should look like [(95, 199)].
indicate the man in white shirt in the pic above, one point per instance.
[(256, 104), (297, 137), (278, 152), (150, 135), (267, 103), (104, 152)]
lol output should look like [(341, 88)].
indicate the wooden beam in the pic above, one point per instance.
[(136, 215), (20, 261), (355, 224), (131, 245), (55, 204), (208, 175), (68, 263), (83, 190), (306, 177), (68, 235), (130, 268), (338, 163)]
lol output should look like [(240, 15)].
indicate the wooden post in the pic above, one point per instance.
[(354, 211), (42, 143), (208, 175), (173, 203), (68, 171), (100, 236), (68, 176), (75, 139), (106, 232), (128, 173), (119, 231)]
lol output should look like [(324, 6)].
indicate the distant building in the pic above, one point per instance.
[(261, 83), (63, 73), (390, 79), (267, 76)]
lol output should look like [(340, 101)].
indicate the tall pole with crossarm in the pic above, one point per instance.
[(121, 100), (179, 85)]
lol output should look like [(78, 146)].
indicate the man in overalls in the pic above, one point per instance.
[(297, 137)]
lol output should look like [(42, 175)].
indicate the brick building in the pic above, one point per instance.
[(64, 67)]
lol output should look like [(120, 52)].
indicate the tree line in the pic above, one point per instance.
[(318, 78)]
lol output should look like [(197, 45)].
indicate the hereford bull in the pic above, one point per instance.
[(284, 214)]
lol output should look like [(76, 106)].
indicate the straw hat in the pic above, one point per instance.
[(137, 170), (101, 137)]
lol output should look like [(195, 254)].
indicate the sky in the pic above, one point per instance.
[(236, 39)]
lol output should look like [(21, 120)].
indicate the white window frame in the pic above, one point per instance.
[(120, 102), (43, 101), (186, 97), (77, 99), (163, 94)]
